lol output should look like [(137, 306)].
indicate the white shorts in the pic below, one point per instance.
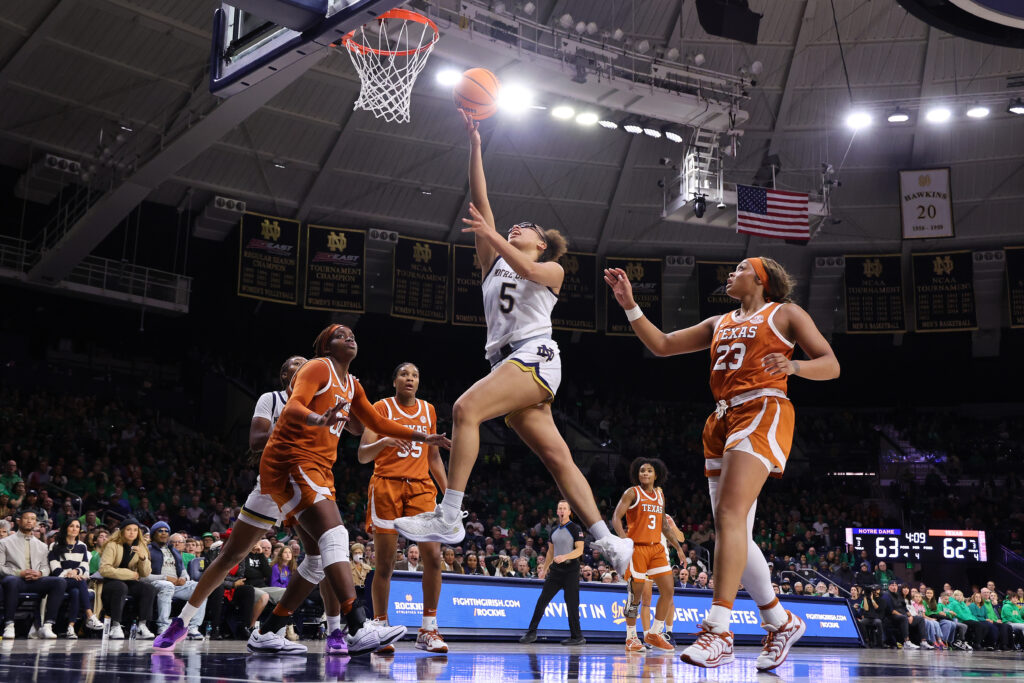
[(539, 357), (260, 510)]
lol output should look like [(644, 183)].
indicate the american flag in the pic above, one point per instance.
[(772, 213)]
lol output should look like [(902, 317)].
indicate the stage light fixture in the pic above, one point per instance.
[(938, 115), (978, 112), (586, 118), (699, 206), (858, 120), (898, 116), (1016, 106), (652, 132), (563, 111), (605, 123), (632, 127), (671, 135)]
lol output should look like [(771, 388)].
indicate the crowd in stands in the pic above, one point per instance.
[(106, 499)]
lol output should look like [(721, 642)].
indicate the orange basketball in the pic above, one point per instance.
[(477, 93)]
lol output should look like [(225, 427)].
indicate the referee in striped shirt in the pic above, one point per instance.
[(562, 565)]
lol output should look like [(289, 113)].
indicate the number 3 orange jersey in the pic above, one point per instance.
[(411, 463), (644, 517), (737, 349)]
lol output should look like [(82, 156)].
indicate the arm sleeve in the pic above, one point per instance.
[(310, 378), (83, 566), (265, 407), (54, 557), (362, 409)]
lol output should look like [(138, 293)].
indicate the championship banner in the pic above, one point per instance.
[(497, 608), (335, 269), (420, 280), (1015, 284), (711, 279), (944, 291), (268, 258), (926, 204), (467, 296), (576, 309), (645, 276), (874, 294)]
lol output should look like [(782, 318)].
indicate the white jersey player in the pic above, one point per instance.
[(521, 280)]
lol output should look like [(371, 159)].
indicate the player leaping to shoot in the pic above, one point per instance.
[(521, 279)]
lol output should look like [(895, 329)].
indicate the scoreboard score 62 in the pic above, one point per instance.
[(934, 545)]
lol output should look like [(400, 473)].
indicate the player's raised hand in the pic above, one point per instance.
[(472, 127), (476, 223), (335, 415), (439, 440), (621, 287)]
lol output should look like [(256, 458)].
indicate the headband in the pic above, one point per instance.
[(759, 269), (323, 340)]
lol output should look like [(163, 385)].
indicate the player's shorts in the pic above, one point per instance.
[(260, 510), (389, 498), (296, 486), (762, 425), (647, 562), (540, 358)]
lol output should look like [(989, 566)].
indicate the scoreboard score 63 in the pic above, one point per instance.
[(934, 545)]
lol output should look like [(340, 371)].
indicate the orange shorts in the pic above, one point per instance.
[(297, 485), (390, 498), (762, 427), (647, 562)]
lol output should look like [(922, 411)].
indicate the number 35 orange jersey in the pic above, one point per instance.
[(411, 463), (737, 349)]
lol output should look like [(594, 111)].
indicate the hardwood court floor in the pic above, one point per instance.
[(88, 661)]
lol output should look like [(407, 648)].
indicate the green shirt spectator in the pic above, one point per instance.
[(884, 575), (1011, 613), (977, 611), (990, 613), (94, 562), (960, 610)]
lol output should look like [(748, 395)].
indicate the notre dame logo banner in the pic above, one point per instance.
[(335, 269), (645, 276), (467, 276), (268, 258), (944, 291), (577, 299), (926, 204), (874, 294), (420, 280)]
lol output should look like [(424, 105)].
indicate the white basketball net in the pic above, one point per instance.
[(388, 61)]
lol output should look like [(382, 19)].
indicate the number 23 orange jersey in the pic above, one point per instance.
[(737, 348), (411, 463)]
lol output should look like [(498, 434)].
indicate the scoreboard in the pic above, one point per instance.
[(934, 545)]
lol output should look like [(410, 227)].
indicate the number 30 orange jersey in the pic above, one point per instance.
[(737, 349)]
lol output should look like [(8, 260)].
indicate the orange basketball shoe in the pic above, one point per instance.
[(659, 642), (634, 646)]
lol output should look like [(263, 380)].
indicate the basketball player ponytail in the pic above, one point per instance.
[(557, 246)]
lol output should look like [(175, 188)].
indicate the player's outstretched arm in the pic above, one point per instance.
[(796, 324), (695, 338), (478, 189), (548, 273)]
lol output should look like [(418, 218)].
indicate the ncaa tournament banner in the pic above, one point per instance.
[(335, 269), (577, 299), (1015, 284), (420, 280), (645, 276), (489, 607), (467, 296), (711, 279), (944, 291), (926, 204), (874, 294), (268, 258)]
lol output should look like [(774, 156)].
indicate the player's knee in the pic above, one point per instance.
[(312, 569), (463, 413), (334, 546), (729, 514)]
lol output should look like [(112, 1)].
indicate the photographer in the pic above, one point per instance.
[(870, 615), (561, 572)]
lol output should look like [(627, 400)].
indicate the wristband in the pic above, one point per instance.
[(634, 313)]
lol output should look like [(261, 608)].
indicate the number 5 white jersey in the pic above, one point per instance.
[(515, 308)]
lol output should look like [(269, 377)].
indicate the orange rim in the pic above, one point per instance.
[(349, 40)]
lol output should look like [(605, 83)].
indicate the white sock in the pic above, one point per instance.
[(599, 530), (719, 618), (429, 623), (776, 616), (451, 505), (333, 623), (187, 612), (630, 632), (657, 626), (668, 628)]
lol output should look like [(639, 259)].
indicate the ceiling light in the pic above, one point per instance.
[(566, 21), (581, 26), (1016, 106), (586, 118), (124, 125), (515, 98), (563, 112), (898, 116), (610, 125), (698, 58), (499, 8), (673, 54), (528, 8), (633, 128), (978, 112), (756, 68), (653, 132), (858, 120), (643, 46), (448, 77), (938, 114), (278, 164), (671, 134), (618, 34), (591, 28)]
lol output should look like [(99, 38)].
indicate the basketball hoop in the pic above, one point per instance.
[(389, 62)]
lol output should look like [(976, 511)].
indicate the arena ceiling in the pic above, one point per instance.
[(109, 82)]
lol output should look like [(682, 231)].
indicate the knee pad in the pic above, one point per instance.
[(632, 609), (312, 569), (334, 546)]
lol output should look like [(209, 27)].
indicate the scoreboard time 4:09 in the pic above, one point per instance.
[(934, 545)]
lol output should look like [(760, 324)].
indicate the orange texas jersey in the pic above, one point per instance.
[(409, 463), (644, 516), (737, 349), (316, 388)]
